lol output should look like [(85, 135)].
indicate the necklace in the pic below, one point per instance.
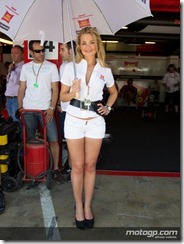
[(36, 75)]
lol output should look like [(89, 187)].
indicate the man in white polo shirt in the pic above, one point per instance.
[(39, 80)]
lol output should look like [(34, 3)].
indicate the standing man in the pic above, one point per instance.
[(129, 92), (171, 82), (39, 90), (66, 55), (13, 80)]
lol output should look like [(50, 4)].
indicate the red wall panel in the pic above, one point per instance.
[(172, 6)]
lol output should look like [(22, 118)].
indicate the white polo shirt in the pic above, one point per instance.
[(170, 79), (61, 70), (100, 77), (38, 97)]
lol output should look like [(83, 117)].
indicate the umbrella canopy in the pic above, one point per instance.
[(30, 19)]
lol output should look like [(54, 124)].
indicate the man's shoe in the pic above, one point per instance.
[(58, 177), (65, 171), (2, 202)]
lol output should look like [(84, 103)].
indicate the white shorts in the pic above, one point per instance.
[(75, 128)]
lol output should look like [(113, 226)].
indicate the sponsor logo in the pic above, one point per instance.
[(7, 17), (157, 234), (84, 23), (143, 1)]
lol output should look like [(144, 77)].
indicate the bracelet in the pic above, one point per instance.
[(108, 108), (52, 108)]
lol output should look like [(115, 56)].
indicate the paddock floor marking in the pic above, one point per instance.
[(49, 216)]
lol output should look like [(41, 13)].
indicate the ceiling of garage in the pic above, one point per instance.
[(163, 28)]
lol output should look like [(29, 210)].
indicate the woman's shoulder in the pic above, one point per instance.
[(106, 70), (105, 67)]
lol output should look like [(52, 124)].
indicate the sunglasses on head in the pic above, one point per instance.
[(39, 50)]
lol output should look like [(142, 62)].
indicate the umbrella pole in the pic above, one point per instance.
[(70, 30)]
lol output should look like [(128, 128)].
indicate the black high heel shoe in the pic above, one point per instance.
[(80, 224), (89, 223)]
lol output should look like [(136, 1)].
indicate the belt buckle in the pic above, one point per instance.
[(85, 105)]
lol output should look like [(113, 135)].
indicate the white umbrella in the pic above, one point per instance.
[(60, 20), (24, 19)]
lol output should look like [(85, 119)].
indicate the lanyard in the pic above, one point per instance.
[(10, 73), (36, 75)]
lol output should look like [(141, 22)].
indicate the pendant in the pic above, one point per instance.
[(35, 85), (87, 103)]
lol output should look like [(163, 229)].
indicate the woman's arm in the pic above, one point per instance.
[(113, 95), (67, 93)]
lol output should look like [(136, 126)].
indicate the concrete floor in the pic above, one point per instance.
[(120, 203)]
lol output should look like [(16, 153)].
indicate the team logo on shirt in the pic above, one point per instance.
[(102, 77)]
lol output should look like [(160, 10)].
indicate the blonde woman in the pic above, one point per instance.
[(85, 124)]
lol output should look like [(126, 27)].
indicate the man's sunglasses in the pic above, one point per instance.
[(39, 50)]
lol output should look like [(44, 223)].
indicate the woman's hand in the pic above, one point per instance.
[(76, 87), (102, 110)]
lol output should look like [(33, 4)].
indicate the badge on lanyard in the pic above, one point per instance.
[(35, 85), (87, 102)]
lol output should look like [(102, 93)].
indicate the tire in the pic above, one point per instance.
[(49, 179), (9, 184)]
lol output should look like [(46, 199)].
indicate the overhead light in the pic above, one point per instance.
[(6, 41), (150, 42), (125, 27), (110, 41)]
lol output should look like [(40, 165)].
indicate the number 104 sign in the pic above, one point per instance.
[(51, 50)]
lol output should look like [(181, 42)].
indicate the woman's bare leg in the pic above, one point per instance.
[(92, 149), (76, 152)]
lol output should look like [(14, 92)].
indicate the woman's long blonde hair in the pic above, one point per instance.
[(100, 55)]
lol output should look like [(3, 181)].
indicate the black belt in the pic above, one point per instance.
[(80, 104), (11, 97)]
